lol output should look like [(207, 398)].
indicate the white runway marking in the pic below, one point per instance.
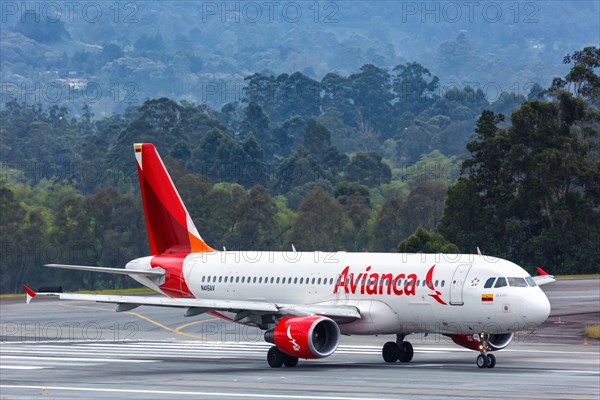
[(21, 367), (190, 393)]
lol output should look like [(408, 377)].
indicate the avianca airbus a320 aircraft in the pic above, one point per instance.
[(306, 301)]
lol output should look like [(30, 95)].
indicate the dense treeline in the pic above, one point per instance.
[(355, 167)]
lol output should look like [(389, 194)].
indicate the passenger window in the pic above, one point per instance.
[(530, 281), (301, 280), (443, 283), (237, 279), (489, 283), (295, 280), (220, 278), (501, 282), (272, 279)]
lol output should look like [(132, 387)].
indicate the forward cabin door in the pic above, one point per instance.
[(457, 284)]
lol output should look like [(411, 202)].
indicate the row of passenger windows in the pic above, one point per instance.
[(510, 281), (300, 281), (259, 279)]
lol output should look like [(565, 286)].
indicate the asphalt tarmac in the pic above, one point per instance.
[(73, 350)]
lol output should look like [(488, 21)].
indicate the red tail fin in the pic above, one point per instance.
[(170, 227)]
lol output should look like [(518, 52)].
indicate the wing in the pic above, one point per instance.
[(543, 277), (242, 309)]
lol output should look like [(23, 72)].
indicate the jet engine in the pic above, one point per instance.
[(496, 341), (313, 336)]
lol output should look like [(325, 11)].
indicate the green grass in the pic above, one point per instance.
[(577, 276), (111, 291), (592, 331)]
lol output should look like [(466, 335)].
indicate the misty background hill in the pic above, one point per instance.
[(111, 55)]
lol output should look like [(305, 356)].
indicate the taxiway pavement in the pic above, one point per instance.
[(73, 350)]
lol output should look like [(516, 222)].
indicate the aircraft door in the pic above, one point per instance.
[(457, 284)]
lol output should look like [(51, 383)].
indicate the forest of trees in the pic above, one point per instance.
[(372, 161)]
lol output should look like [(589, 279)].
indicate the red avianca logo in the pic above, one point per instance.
[(374, 283)]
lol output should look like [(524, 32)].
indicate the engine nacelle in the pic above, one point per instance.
[(496, 341), (314, 336)]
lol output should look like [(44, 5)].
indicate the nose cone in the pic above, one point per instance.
[(535, 308)]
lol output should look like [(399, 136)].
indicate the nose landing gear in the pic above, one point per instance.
[(485, 360)]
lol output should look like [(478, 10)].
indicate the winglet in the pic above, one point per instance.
[(30, 293), (478, 251), (543, 277), (541, 272)]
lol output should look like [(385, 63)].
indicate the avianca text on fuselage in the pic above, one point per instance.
[(374, 283), (381, 284)]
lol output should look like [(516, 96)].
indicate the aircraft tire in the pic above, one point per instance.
[(290, 361), (390, 352), (406, 352), (482, 361), (275, 357)]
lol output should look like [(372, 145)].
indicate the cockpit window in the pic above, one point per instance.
[(489, 283), (530, 281), (517, 282), (501, 282)]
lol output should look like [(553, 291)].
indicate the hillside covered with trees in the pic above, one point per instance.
[(113, 54), (373, 160)]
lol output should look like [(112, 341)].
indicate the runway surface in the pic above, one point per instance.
[(74, 350)]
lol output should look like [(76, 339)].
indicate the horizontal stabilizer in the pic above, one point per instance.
[(123, 271)]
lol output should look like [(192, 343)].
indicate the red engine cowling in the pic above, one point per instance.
[(314, 336), (496, 341)]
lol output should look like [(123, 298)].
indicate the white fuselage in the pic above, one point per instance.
[(392, 291)]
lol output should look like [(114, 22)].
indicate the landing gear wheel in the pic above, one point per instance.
[(482, 361), (406, 352), (290, 361), (491, 361), (390, 352), (275, 358)]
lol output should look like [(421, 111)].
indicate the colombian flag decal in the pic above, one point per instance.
[(487, 297)]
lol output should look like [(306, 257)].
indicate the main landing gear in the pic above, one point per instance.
[(276, 358), (397, 351), (485, 360)]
